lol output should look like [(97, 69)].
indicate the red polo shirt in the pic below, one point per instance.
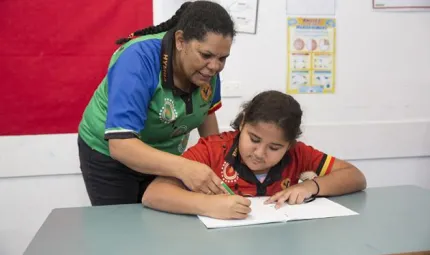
[(220, 152)]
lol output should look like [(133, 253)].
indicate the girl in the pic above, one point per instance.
[(262, 157)]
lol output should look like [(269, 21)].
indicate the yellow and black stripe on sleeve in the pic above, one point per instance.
[(215, 107), (325, 165)]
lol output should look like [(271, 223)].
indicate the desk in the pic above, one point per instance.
[(391, 220)]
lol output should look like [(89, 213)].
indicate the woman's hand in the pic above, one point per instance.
[(199, 177), (228, 207), (295, 194)]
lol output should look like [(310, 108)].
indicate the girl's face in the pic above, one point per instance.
[(262, 145)]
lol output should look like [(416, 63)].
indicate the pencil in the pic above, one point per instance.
[(227, 188)]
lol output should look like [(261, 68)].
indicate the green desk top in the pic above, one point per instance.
[(391, 220)]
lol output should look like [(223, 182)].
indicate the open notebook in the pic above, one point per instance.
[(261, 213)]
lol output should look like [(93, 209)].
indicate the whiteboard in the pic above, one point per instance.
[(401, 4)]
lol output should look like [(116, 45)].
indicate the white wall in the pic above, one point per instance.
[(378, 118)]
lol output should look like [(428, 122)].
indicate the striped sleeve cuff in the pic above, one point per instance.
[(215, 107), (325, 165), (120, 134)]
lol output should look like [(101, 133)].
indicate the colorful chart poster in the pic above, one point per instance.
[(311, 55)]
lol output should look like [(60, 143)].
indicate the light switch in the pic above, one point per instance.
[(231, 89)]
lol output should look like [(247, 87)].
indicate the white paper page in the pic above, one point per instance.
[(319, 208), (243, 12), (311, 7), (260, 214)]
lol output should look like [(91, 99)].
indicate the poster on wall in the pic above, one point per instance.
[(401, 5), (311, 55), (244, 14)]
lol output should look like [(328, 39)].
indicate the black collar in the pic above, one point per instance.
[(274, 174), (167, 45)]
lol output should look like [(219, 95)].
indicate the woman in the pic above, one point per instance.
[(261, 158), (161, 83)]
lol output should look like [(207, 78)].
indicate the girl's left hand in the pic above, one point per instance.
[(295, 194)]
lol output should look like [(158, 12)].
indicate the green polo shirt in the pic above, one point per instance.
[(137, 98)]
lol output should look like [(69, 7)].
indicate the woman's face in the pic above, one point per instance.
[(201, 60), (262, 145)]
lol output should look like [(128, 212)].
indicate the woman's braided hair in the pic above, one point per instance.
[(195, 19)]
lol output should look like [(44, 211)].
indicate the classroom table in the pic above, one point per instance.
[(391, 220)]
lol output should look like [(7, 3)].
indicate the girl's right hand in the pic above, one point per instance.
[(228, 207)]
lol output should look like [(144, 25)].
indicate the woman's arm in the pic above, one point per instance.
[(144, 159), (170, 195), (209, 126)]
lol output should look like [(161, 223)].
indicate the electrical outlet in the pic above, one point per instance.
[(231, 89)]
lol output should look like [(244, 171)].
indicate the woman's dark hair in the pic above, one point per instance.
[(196, 19), (273, 107)]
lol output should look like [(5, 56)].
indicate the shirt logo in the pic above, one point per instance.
[(229, 175), (168, 112), (179, 131), (165, 61), (206, 92), (285, 183), (183, 144)]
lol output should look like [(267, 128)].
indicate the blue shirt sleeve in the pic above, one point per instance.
[(131, 84), (216, 100)]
